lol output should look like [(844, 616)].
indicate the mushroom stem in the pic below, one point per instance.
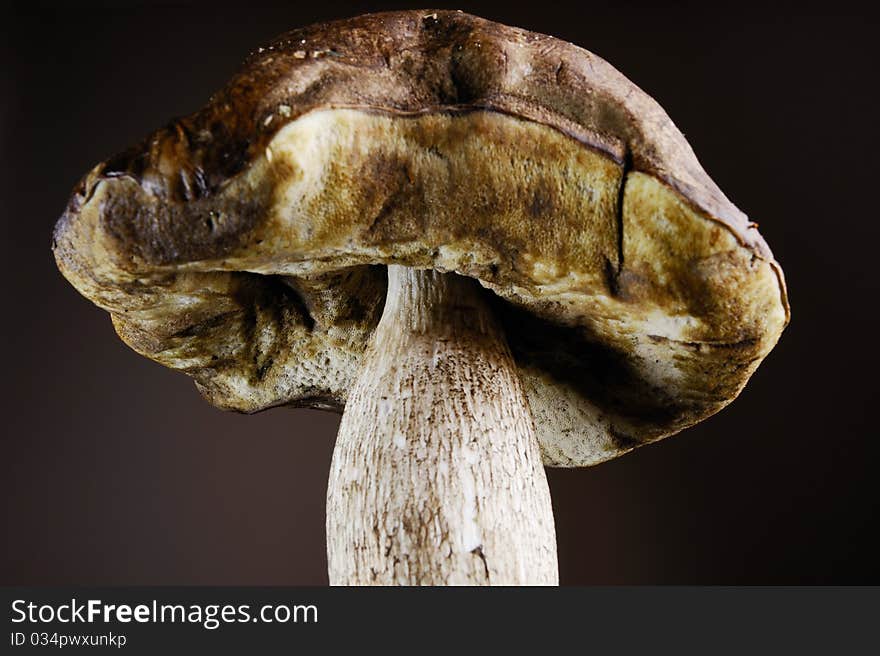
[(437, 476)]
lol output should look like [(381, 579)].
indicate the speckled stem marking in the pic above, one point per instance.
[(437, 476)]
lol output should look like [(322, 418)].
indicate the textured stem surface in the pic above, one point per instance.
[(437, 476)]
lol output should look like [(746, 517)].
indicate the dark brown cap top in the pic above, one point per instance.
[(243, 244)]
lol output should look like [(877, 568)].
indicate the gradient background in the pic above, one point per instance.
[(115, 471)]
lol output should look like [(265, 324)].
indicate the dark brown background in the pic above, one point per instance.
[(113, 470)]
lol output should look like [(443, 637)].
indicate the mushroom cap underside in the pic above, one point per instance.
[(636, 299)]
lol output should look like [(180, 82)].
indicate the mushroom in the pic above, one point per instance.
[(486, 245)]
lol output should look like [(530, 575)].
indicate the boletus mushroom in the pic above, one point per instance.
[(485, 245)]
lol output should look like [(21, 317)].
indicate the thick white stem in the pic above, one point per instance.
[(436, 476)]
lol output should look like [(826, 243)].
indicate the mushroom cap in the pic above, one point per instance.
[(244, 244)]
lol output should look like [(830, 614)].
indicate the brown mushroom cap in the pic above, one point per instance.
[(240, 244)]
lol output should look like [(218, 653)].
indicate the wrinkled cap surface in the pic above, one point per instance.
[(245, 244)]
